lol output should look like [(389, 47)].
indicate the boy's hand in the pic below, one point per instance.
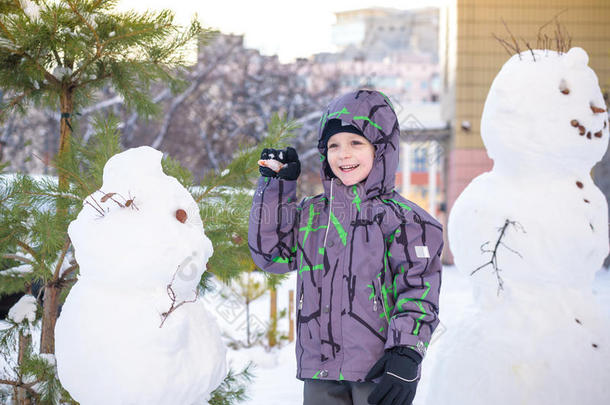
[(292, 166), (398, 371)]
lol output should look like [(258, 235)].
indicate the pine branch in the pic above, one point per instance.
[(130, 35), (245, 158), (6, 32), (69, 173), (68, 272), (233, 388), (27, 248), (19, 384), (84, 20), (58, 195), (89, 82), (15, 102), (9, 236), (62, 256), (18, 258)]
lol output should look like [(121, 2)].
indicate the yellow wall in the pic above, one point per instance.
[(480, 56)]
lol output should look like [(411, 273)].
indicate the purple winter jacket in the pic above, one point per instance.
[(368, 260)]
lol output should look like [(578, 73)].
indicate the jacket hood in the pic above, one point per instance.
[(371, 112)]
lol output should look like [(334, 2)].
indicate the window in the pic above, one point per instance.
[(419, 155)]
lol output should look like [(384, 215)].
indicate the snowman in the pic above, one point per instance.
[(133, 329), (530, 235)]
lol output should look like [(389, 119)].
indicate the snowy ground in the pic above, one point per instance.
[(275, 382)]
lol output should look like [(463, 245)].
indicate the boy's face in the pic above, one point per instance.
[(346, 149)]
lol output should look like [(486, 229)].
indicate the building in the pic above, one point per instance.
[(378, 33)]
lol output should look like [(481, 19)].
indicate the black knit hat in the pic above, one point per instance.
[(334, 126)]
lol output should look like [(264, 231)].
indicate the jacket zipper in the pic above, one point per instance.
[(380, 298), (301, 301)]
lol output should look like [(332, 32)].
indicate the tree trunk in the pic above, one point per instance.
[(290, 316), (51, 290), (273, 317), (21, 395), (248, 323), (50, 307), (65, 123)]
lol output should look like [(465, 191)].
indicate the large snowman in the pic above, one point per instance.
[(530, 235), (133, 330)]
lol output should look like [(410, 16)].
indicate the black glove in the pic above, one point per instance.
[(399, 376), (288, 156)]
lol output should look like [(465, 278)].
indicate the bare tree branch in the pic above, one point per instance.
[(493, 261)]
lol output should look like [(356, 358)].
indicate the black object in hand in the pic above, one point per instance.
[(288, 156)]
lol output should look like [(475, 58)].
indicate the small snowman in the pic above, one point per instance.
[(133, 329), (530, 236)]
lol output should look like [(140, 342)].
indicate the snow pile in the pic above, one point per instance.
[(31, 9), (133, 330), (60, 72), (530, 236), (18, 270), (23, 309)]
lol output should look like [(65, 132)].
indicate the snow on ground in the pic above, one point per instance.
[(274, 372), (275, 382)]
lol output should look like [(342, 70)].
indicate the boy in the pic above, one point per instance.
[(368, 260)]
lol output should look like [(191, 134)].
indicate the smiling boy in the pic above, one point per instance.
[(350, 155), (368, 260)]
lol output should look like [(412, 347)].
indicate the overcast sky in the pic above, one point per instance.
[(288, 28)]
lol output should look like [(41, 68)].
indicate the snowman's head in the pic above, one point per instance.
[(146, 233), (546, 108)]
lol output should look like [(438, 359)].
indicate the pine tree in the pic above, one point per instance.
[(58, 54), (35, 238)]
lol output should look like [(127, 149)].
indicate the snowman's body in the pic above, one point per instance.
[(543, 339), (113, 345)]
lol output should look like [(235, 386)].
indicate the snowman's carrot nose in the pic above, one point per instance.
[(597, 110)]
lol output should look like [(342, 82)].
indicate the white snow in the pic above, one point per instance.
[(31, 9), (543, 338), (23, 309), (275, 380), (114, 342), (48, 357), (18, 270), (8, 44), (60, 72)]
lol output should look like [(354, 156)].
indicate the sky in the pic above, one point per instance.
[(289, 29)]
